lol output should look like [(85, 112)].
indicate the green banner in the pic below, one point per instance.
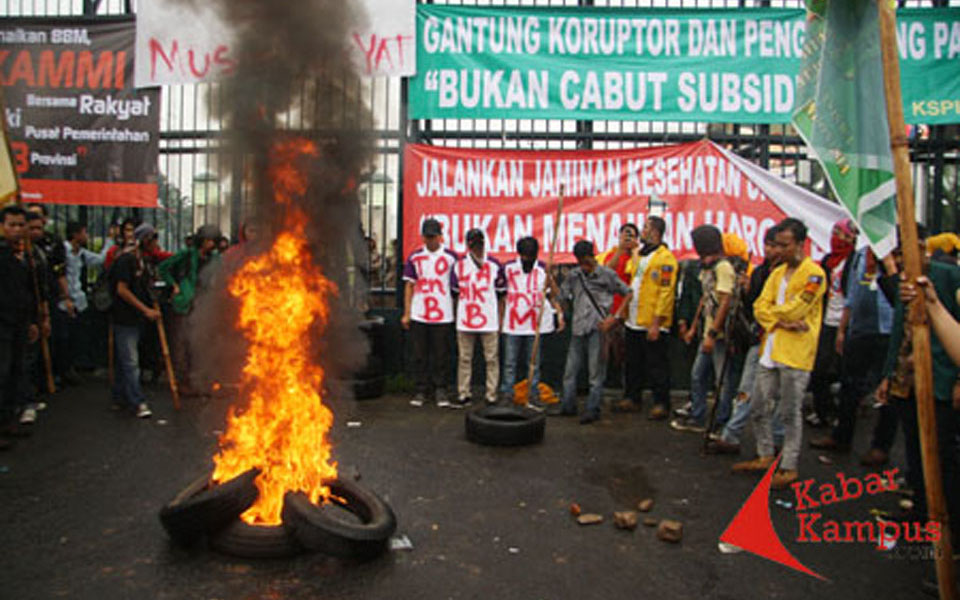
[(711, 65), (842, 115)]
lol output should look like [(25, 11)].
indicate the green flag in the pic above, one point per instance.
[(841, 113)]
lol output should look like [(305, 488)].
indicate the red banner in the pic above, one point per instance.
[(511, 194)]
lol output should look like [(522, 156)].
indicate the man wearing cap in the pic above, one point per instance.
[(478, 284), (590, 288), (717, 280), (428, 313), (182, 273), (131, 278)]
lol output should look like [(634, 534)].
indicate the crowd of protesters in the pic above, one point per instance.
[(60, 297), (766, 337)]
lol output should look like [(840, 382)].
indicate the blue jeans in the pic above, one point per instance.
[(597, 370), (700, 379), (745, 396), (518, 347), (126, 384)]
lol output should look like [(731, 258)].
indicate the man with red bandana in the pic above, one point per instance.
[(826, 370)]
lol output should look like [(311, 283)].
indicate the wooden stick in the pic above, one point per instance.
[(541, 301), (917, 321), (110, 351), (165, 348)]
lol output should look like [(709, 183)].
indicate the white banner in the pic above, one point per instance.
[(181, 42)]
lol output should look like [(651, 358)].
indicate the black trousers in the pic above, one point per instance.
[(948, 428), (826, 370), (863, 359), (431, 356), (647, 363), (13, 375)]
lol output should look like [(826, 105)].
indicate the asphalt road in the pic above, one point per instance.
[(79, 502)]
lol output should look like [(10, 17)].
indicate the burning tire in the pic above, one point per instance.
[(201, 509), (317, 528), (505, 426), (255, 541)]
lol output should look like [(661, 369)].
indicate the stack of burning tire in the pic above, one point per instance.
[(361, 530)]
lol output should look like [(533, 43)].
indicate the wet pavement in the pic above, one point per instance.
[(79, 502)]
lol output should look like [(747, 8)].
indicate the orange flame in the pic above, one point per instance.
[(283, 297)]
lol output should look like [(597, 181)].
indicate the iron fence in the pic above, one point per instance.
[(202, 183)]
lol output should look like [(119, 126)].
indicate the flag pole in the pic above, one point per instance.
[(542, 300), (43, 309), (917, 319)]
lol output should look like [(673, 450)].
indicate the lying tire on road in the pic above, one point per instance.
[(202, 508), (505, 426), (318, 528), (255, 541)]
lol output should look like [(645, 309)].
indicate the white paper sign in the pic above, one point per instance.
[(182, 43)]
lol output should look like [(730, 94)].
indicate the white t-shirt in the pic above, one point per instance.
[(430, 274), (767, 359), (835, 298), (635, 284), (524, 290), (477, 286)]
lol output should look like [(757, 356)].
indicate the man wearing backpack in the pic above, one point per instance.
[(182, 272), (718, 279)]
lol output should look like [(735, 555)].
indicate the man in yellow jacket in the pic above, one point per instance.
[(789, 310), (653, 271)]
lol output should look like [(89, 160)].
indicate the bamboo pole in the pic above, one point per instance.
[(917, 320), (542, 300), (165, 348)]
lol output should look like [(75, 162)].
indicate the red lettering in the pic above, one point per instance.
[(22, 69), (933, 531), (157, 50), (60, 75), (474, 318), (417, 261), (381, 51), (21, 154), (229, 65), (442, 266), (368, 54), (884, 526), (400, 39), (802, 491), (193, 67), (806, 521), (845, 482), (92, 76), (431, 309)]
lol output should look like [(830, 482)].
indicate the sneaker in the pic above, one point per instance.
[(874, 458), (143, 411), (458, 403), (536, 406), (683, 411), (40, 406), (757, 465), (720, 446), (782, 479), (687, 424), (28, 416), (418, 400), (658, 413)]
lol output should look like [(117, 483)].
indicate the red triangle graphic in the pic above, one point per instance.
[(752, 529)]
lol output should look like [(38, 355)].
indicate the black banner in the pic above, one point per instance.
[(79, 131)]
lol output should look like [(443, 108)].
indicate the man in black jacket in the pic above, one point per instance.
[(19, 321)]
